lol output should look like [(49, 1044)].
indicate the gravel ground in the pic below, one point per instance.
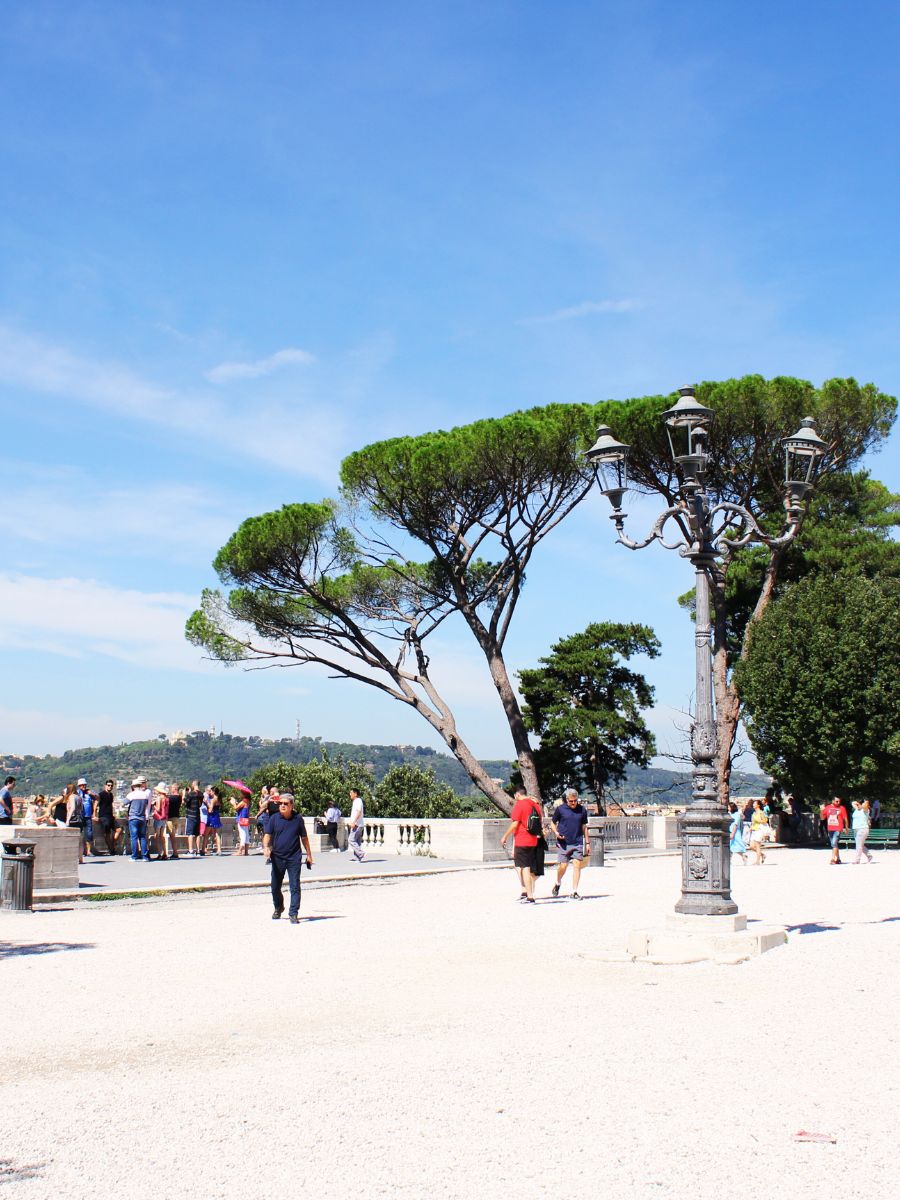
[(432, 1037)]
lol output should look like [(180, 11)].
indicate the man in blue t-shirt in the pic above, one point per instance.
[(283, 833), (6, 800), (570, 824)]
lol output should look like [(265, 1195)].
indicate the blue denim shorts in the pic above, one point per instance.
[(566, 854)]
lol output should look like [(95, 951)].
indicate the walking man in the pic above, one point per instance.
[(6, 800), (835, 817), (106, 815), (138, 800), (357, 824), (570, 824), (284, 833), (525, 811)]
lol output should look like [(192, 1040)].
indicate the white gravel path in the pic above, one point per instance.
[(431, 1037)]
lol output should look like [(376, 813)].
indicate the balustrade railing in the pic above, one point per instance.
[(373, 834), (411, 837), (629, 833), (415, 837)]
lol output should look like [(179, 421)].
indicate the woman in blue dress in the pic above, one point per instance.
[(214, 817), (736, 833)]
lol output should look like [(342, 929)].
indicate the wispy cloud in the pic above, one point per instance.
[(289, 357), (587, 308), (83, 617), (53, 731), (304, 438), (63, 505), (186, 339)]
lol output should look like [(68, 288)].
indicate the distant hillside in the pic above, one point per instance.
[(658, 785), (228, 756), (207, 758)]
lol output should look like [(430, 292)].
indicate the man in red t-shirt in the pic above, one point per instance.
[(524, 843), (835, 817)]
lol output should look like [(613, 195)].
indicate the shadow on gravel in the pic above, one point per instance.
[(813, 927), (10, 1173), (322, 917), (20, 949)]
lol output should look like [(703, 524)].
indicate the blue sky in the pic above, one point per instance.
[(239, 241)]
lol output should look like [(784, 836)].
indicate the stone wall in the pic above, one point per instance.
[(55, 854)]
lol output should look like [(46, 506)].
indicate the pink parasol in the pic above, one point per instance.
[(236, 783)]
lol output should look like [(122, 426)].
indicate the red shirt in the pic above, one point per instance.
[(522, 810), (835, 817)]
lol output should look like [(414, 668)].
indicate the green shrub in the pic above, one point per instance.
[(412, 793)]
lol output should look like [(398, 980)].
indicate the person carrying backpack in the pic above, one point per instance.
[(526, 829)]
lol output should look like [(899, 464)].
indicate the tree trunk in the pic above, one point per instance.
[(508, 699), (728, 715), (728, 701), (477, 773), (596, 781), (441, 719)]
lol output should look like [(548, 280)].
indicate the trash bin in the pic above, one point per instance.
[(598, 849), (17, 876)]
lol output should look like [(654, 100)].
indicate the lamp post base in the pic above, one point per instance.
[(705, 862), (703, 939)]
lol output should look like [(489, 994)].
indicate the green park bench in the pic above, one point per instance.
[(881, 837)]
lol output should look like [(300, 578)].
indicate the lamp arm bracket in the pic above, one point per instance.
[(655, 534), (753, 532)]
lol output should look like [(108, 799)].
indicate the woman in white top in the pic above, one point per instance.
[(36, 812), (860, 823)]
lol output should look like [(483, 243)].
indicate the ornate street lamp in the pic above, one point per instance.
[(706, 534)]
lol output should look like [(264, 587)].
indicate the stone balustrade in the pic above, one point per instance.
[(464, 838), (656, 832)]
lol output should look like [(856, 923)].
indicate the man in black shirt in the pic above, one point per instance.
[(174, 816), (193, 798), (106, 815), (284, 833)]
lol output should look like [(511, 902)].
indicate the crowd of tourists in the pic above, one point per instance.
[(145, 822), (150, 823), (753, 826)]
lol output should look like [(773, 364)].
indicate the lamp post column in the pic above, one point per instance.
[(705, 853)]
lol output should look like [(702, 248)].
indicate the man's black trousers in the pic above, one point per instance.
[(292, 867)]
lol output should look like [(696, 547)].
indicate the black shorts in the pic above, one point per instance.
[(525, 856), (192, 826), (107, 823)]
